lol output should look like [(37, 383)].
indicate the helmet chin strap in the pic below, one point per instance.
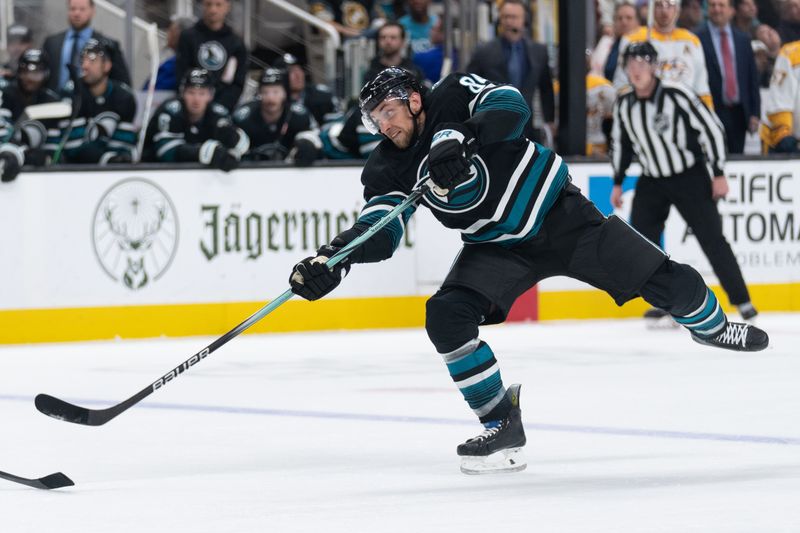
[(414, 116)]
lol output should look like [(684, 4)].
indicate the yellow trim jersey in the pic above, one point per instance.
[(600, 96), (782, 103), (680, 59)]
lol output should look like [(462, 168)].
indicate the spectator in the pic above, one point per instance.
[(430, 62), (167, 77), (64, 48), (782, 105), (102, 131), (789, 27), (513, 58), (691, 15), (680, 53), (25, 143), (391, 42), (349, 17), (194, 128), (318, 99), (746, 17), (19, 39), (277, 128), (732, 74), (625, 22), (600, 95), (211, 45), (418, 23)]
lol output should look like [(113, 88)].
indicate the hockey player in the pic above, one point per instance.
[(25, 143), (521, 221), (680, 53), (278, 129), (194, 128), (600, 97), (781, 130), (102, 131)]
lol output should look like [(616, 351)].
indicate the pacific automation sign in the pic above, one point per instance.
[(760, 219), (135, 232)]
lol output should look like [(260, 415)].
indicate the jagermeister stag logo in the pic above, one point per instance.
[(135, 232)]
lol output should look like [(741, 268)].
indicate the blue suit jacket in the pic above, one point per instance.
[(746, 73)]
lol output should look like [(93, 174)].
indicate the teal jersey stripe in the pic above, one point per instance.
[(474, 359), (522, 200)]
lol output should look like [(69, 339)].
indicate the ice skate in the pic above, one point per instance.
[(497, 449), (737, 336), (655, 318)]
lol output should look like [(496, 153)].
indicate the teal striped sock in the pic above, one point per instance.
[(706, 321), (475, 371)]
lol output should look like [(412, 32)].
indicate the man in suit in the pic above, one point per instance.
[(64, 48), (732, 74), (513, 58)]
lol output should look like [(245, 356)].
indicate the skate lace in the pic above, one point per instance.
[(734, 334), (488, 432)]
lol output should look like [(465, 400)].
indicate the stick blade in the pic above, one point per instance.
[(55, 481), (61, 410)]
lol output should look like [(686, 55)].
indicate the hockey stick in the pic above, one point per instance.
[(68, 412), (53, 481), (77, 98)]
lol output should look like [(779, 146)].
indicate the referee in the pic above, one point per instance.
[(680, 145)]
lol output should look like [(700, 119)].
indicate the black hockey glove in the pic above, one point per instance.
[(312, 279), (215, 155), (304, 153), (448, 161), (788, 144), (12, 158), (228, 135)]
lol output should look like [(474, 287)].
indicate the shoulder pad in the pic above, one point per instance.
[(792, 52), (242, 113), (173, 107), (299, 108), (682, 34), (219, 109)]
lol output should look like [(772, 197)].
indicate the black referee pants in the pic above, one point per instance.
[(690, 193)]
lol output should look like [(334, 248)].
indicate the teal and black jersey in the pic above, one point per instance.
[(274, 141), (513, 183), (103, 126), (347, 138), (30, 134), (171, 136)]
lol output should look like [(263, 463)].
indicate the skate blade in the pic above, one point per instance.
[(502, 462)]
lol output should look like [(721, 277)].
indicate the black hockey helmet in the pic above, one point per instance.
[(642, 49), (272, 76), (97, 48), (197, 77), (287, 60), (393, 83), (32, 60)]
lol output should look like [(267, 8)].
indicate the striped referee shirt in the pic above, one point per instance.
[(670, 132)]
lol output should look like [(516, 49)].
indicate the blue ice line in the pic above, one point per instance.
[(564, 428)]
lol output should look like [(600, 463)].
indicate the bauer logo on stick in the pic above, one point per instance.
[(135, 232)]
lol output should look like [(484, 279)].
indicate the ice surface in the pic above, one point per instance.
[(629, 430)]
